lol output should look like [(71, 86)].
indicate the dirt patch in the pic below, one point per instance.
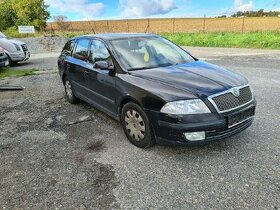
[(45, 162), (96, 146)]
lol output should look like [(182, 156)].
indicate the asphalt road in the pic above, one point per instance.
[(57, 155)]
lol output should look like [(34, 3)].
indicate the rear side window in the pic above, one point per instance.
[(68, 48), (82, 49)]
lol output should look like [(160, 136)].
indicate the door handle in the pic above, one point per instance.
[(86, 72)]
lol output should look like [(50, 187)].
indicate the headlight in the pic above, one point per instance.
[(195, 106), (17, 47)]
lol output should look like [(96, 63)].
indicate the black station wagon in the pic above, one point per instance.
[(158, 91)]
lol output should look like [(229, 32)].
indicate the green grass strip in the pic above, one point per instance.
[(258, 40), (8, 72)]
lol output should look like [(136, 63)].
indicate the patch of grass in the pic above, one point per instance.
[(8, 72), (13, 33), (258, 40)]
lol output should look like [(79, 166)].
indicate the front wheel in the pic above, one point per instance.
[(11, 62), (136, 126)]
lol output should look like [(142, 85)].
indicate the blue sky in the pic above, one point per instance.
[(119, 9)]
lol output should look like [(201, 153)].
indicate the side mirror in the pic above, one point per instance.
[(103, 65)]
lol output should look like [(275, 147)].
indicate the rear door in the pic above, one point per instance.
[(78, 65), (99, 82), (64, 56)]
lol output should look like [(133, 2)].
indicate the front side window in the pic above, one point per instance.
[(81, 51), (99, 52), (149, 52)]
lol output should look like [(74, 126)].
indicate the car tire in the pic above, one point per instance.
[(70, 95), (136, 126), (11, 63)]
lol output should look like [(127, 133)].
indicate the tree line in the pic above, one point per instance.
[(23, 12), (259, 13)]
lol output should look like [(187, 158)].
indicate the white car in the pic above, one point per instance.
[(3, 58), (16, 51)]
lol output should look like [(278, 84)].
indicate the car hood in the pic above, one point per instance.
[(8, 44), (13, 41), (200, 78), (16, 41)]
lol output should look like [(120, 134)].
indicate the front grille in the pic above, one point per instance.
[(24, 47), (228, 101)]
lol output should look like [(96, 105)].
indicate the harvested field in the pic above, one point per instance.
[(173, 25)]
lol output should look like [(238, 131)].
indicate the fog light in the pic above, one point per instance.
[(195, 136)]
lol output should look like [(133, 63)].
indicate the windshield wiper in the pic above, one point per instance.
[(151, 67), (142, 68)]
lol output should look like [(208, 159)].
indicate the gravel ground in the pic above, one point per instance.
[(44, 44), (42, 62), (57, 155)]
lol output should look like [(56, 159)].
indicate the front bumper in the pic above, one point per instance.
[(170, 129), (20, 56)]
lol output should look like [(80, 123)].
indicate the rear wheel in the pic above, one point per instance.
[(70, 95), (136, 126)]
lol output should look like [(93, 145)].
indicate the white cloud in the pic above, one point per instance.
[(83, 8), (243, 7), (239, 5), (145, 8)]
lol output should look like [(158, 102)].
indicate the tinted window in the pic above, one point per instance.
[(99, 52), (81, 51), (68, 48)]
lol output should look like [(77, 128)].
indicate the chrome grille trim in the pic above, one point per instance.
[(210, 98)]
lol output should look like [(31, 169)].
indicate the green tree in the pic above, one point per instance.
[(23, 12), (31, 12), (259, 13), (7, 15)]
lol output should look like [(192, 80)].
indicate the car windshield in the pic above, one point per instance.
[(152, 52), (2, 35)]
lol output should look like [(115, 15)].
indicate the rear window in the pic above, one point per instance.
[(68, 48), (82, 49)]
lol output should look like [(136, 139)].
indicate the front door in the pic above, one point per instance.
[(99, 82)]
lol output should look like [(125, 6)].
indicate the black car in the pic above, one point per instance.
[(158, 91)]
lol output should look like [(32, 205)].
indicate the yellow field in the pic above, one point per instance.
[(174, 25)]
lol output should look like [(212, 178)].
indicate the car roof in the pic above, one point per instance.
[(112, 36)]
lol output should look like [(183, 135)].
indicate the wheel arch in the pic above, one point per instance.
[(63, 76), (124, 101)]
